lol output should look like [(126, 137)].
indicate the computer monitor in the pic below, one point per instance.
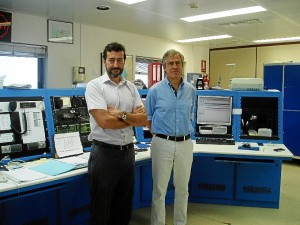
[(214, 110)]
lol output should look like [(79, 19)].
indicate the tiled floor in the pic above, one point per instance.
[(211, 214)]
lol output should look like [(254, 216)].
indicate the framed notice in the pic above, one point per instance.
[(60, 32)]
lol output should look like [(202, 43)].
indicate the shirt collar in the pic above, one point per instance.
[(106, 79), (168, 82)]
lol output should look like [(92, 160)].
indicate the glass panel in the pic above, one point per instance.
[(19, 70)]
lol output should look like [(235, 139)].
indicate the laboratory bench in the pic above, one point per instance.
[(228, 174), (221, 174), (61, 199)]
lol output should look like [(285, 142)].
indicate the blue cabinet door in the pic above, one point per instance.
[(286, 77), (291, 127), (258, 181), (211, 178), (291, 87), (34, 208), (273, 77)]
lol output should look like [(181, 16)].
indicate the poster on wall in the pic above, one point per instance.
[(5, 26)]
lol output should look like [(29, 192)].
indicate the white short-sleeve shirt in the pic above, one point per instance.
[(101, 93)]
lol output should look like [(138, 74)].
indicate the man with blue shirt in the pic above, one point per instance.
[(170, 105)]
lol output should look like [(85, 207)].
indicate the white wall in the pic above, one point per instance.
[(89, 42)]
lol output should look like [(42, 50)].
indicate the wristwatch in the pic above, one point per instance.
[(123, 117)]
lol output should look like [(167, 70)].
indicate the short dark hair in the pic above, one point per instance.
[(114, 46)]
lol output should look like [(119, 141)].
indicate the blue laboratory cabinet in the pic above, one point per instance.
[(235, 180), (285, 77), (265, 106), (239, 179)]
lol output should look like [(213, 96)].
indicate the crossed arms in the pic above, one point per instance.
[(111, 118)]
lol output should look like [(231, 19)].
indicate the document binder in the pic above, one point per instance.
[(154, 73)]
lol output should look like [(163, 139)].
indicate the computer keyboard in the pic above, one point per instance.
[(215, 141)]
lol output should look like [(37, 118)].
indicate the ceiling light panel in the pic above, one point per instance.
[(130, 2), (222, 14), (204, 38), (277, 40)]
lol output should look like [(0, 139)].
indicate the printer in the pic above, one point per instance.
[(246, 84)]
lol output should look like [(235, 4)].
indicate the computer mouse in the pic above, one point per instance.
[(246, 145)]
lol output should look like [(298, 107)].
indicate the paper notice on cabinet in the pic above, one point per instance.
[(67, 144), (5, 121)]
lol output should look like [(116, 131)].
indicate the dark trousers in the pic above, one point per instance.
[(111, 179)]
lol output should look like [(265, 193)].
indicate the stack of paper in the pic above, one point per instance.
[(23, 175), (79, 161)]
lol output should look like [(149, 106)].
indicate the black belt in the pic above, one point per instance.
[(114, 147), (172, 138)]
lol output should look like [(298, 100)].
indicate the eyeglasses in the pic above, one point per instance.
[(113, 61)]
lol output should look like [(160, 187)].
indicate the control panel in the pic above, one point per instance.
[(70, 114), (23, 127)]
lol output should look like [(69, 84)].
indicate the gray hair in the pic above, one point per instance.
[(171, 52)]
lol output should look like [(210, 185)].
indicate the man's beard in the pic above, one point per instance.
[(113, 75)]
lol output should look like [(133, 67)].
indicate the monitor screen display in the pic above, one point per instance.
[(214, 110)]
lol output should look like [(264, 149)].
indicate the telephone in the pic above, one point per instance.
[(23, 130), (78, 74)]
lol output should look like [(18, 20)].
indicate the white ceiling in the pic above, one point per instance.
[(160, 18)]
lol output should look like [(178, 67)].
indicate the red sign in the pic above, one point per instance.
[(203, 66), (5, 26)]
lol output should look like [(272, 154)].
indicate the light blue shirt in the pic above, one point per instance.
[(170, 114)]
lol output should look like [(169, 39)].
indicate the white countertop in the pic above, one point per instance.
[(267, 150), (8, 185)]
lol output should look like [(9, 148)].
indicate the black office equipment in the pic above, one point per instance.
[(215, 141), (214, 119), (259, 113), (70, 114)]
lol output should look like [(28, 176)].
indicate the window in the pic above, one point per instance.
[(141, 68), (23, 64)]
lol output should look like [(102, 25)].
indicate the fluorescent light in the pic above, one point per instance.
[(204, 38), (233, 12), (130, 2), (277, 40)]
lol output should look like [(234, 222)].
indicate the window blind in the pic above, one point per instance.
[(23, 50)]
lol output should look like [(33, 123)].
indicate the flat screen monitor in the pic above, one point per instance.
[(214, 110)]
